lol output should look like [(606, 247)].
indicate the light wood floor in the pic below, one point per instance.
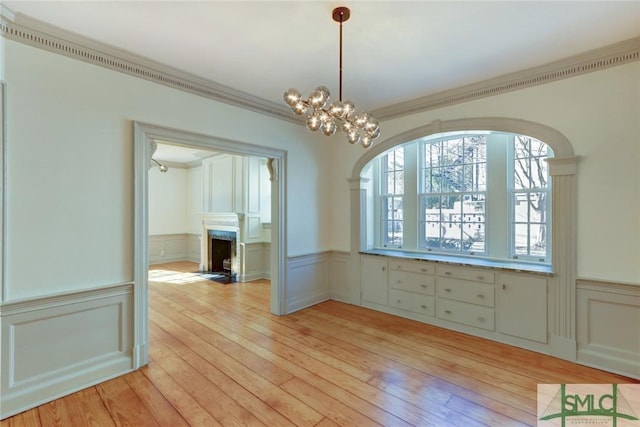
[(218, 357)]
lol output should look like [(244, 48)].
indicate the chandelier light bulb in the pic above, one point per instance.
[(313, 122), (300, 108), (353, 137), (292, 97), (349, 108), (329, 128), (359, 128), (337, 110), (366, 141)]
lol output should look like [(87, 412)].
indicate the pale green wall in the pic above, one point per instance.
[(168, 201), (70, 168), (600, 115)]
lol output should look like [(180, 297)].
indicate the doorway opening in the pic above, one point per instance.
[(146, 137)]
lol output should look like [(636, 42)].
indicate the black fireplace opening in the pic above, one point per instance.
[(222, 250)]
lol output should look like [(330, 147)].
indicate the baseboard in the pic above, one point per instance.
[(611, 360), (56, 345)]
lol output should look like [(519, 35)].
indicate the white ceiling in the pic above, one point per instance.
[(167, 152), (394, 51)]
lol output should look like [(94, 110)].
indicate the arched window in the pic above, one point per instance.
[(561, 217), (470, 193)]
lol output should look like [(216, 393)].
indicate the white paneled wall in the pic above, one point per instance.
[(55, 345)]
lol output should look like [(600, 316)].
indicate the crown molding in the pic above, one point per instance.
[(594, 60), (38, 34), (33, 32)]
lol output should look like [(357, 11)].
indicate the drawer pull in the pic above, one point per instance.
[(399, 281), (399, 301), (447, 273), (480, 277), (480, 296), (423, 286), (480, 319), (384, 268), (424, 306), (447, 290), (504, 287), (424, 270), (447, 311)]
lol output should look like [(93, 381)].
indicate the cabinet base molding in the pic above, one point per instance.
[(563, 348)]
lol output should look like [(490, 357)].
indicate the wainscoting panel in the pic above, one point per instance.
[(193, 247), (307, 280), (608, 326), (169, 248), (252, 261), (56, 345), (339, 276)]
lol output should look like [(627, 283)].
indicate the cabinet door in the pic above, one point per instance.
[(373, 279), (522, 306)]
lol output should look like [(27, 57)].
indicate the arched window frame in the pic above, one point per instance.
[(562, 169)]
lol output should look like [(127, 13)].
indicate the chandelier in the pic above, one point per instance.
[(360, 127)]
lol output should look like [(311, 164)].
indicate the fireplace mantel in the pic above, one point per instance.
[(222, 221)]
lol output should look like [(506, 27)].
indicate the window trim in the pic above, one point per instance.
[(564, 161)]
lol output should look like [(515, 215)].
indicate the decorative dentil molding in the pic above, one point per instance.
[(35, 33)]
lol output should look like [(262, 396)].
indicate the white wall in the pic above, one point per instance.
[(600, 115), (168, 201), (194, 200), (71, 212)]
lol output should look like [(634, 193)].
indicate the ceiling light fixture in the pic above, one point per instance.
[(163, 168), (359, 127)]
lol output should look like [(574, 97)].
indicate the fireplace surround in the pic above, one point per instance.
[(219, 245)]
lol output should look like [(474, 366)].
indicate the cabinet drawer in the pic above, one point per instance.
[(412, 266), (409, 301), (412, 282), (461, 290), (477, 275), (468, 314)]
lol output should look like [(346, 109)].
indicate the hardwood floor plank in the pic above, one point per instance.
[(331, 408), (418, 415), (241, 395), (186, 405), (86, 408), (487, 395), (30, 418), (290, 407), (154, 400), (231, 349), (54, 414), (123, 404), (223, 408)]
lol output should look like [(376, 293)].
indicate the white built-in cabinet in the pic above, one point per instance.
[(501, 305)]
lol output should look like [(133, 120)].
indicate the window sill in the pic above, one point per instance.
[(464, 261)]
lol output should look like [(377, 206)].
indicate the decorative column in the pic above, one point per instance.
[(562, 285)]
